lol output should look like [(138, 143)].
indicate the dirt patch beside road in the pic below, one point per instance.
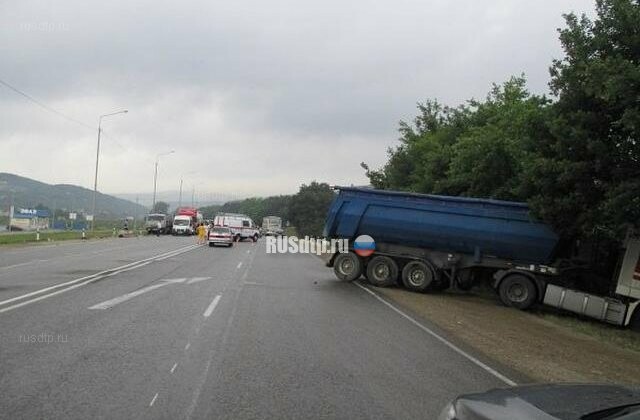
[(543, 350)]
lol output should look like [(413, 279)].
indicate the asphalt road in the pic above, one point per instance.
[(159, 328)]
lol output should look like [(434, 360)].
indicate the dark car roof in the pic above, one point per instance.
[(563, 401)]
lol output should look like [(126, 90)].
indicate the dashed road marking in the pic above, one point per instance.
[(239, 265), (175, 365), (187, 346), (153, 400), (211, 306)]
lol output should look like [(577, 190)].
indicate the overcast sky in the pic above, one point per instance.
[(257, 97)]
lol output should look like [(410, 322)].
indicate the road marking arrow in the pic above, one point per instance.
[(197, 279), (113, 302), (120, 299)]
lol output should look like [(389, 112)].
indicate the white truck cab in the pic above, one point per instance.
[(182, 225)]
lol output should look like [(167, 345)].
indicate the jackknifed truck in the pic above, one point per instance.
[(431, 242)]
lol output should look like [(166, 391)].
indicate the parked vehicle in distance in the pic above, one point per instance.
[(272, 226), (220, 235), (186, 220), (157, 223), (241, 225), (548, 402), (431, 242), (182, 225)]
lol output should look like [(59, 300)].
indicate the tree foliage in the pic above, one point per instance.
[(309, 208), (258, 207), (575, 159), (160, 207), (305, 210)]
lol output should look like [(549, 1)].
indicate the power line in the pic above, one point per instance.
[(44, 106)]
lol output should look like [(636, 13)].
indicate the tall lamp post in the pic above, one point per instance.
[(181, 182), (155, 178), (95, 179)]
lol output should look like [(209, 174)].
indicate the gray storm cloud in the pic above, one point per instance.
[(254, 97)]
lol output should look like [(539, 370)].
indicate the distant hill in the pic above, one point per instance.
[(29, 193)]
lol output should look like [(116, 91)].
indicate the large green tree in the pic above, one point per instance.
[(586, 176), (575, 159), (308, 209), (477, 149)]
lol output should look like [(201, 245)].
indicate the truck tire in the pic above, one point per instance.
[(518, 291), (347, 267), (417, 276), (382, 271)]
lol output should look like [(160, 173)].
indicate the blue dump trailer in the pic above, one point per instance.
[(431, 242)]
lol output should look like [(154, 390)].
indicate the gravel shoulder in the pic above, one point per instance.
[(540, 345)]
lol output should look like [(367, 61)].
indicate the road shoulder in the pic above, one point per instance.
[(524, 342)]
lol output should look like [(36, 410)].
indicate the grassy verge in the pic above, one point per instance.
[(290, 231), (28, 237), (618, 337), (543, 347)]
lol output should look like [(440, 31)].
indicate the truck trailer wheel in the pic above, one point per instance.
[(517, 290), (417, 276), (382, 271), (347, 267)]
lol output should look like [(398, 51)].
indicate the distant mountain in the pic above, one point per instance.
[(28, 193)]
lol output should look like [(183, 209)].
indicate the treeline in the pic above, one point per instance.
[(574, 156), (306, 210)]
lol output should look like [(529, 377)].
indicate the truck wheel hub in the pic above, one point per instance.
[(346, 266), (416, 277), (517, 293), (381, 271)]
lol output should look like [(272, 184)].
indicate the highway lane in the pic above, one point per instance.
[(27, 269), (224, 333)]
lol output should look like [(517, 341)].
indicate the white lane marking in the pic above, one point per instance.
[(248, 251), (187, 346), (438, 337), (182, 280), (253, 283), (212, 306), (175, 365), (84, 280), (107, 304), (103, 251), (197, 279), (153, 400), (239, 265), (16, 265)]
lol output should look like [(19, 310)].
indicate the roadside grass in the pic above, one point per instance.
[(30, 237), (618, 337), (290, 231)]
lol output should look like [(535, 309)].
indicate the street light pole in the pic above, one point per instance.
[(155, 178), (181, 183), (95, 179)]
